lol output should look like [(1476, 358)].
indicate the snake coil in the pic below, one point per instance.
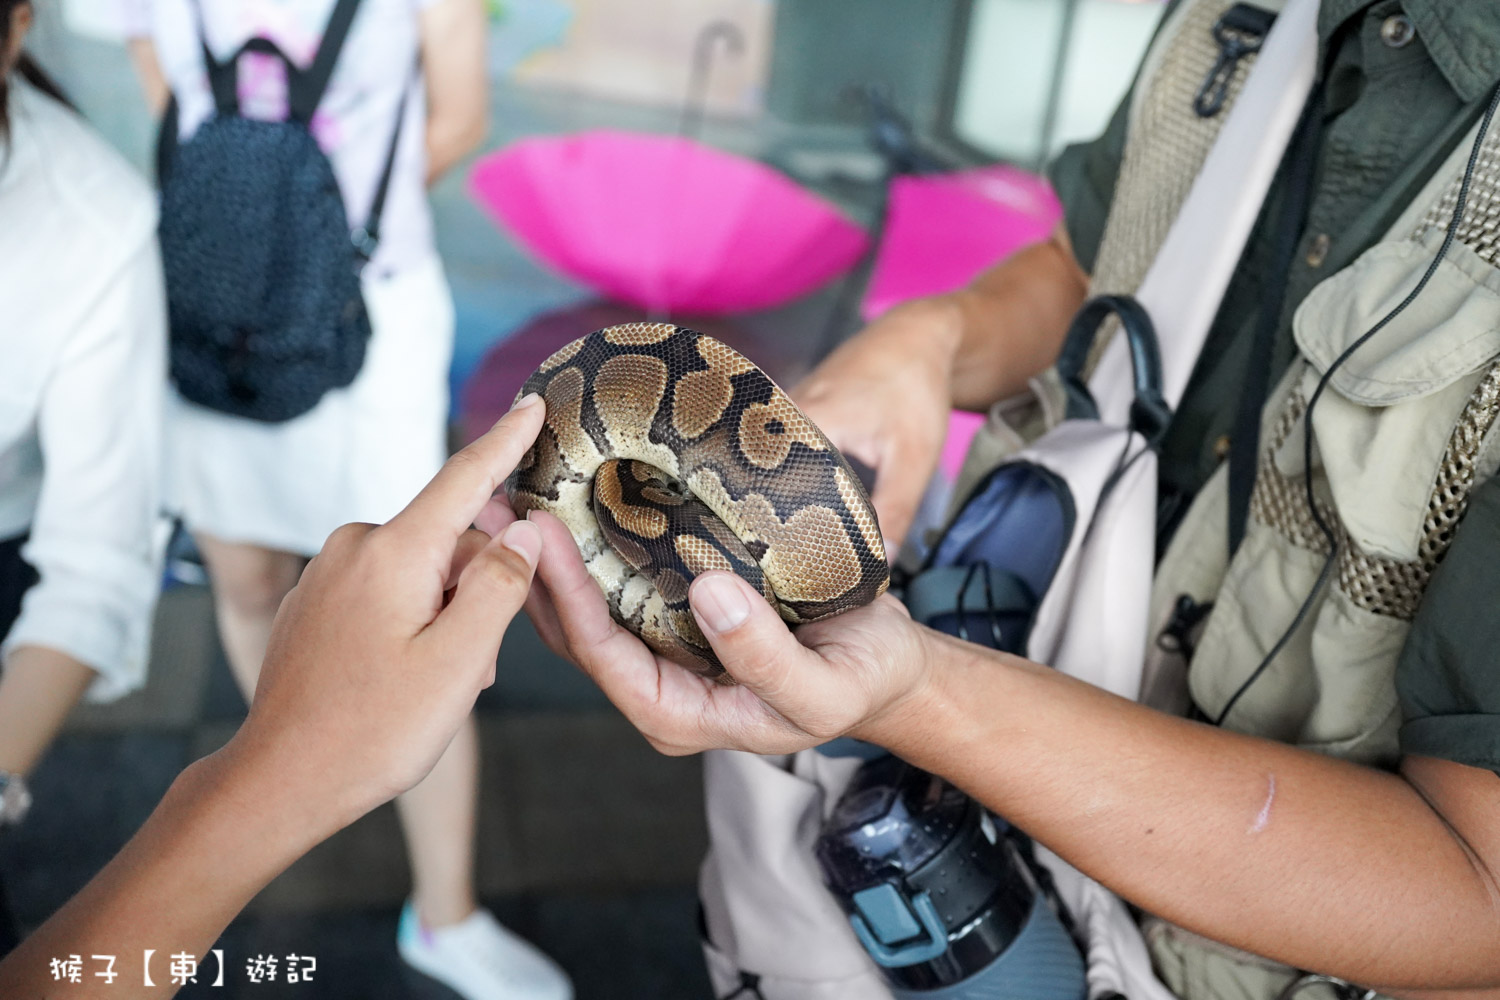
[(668, 454)]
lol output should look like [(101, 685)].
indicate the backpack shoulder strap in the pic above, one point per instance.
[(305, 89), (367, 237), (223, 80)]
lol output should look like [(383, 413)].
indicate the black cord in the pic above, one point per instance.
[(1122, 466), (1328, 533)]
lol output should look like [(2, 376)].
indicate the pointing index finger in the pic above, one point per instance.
[(448, 505)]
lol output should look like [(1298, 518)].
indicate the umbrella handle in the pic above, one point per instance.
[(703, 59)]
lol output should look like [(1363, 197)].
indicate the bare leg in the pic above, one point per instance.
[(438, 817), (248, 583)]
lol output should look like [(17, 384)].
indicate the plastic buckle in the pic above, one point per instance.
[(898, 931), (364, 244)]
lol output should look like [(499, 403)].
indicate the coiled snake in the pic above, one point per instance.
[(668, 454)]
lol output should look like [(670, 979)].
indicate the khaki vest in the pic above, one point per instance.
[(1402, 434)]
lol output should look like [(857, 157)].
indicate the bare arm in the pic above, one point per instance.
[(1014, 317), (453, 66), (885, 395), (148, 70), (38, 688), (988, 338), (224, 829), (1387, 880), (376, 658)]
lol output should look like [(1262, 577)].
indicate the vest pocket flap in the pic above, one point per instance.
[(1450, 330)]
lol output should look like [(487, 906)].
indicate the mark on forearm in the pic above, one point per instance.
[(1263, 818)]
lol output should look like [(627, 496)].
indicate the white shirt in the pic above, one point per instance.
[(82, 380), (373, 79)]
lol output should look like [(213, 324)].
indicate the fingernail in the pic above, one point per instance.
[(719, 603), (525, 539), (529, 399)]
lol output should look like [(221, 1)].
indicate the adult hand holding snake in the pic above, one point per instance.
[(843, 674), (688, 496), (883, 398)]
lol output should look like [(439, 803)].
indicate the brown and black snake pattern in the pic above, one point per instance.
[(668, 454)]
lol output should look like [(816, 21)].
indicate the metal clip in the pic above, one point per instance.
[(1239, 33)]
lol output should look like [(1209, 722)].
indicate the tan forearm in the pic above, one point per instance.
[(212, 844), (38, 688), (985, 340), (376, 659), (1013, 319), (1313, 861)]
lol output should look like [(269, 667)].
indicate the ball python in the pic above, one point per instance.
[(668, 454)]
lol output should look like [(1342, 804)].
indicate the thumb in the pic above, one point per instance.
[(751, 640), (490, 590)]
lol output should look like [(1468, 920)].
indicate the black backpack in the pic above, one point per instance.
[(262, 272)]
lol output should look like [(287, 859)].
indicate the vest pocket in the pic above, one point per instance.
[(1383, 425), (1397, 434)]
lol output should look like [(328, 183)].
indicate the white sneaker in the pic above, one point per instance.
[(480, 960)]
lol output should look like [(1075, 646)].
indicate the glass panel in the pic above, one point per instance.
[(1108, 40), (1010, 70), (1007, 74)]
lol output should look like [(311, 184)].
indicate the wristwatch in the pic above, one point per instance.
[(15, 798)]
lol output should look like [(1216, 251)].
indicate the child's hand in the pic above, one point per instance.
[(378, 654)]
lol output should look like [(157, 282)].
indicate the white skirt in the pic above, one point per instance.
[(359, 455)]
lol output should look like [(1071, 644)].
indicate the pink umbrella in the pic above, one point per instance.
[(665, 223), (941, 231)]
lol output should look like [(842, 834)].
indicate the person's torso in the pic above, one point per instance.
[(1354, 503), (1400, 437), (1392, 117)]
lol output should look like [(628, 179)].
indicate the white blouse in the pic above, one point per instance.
[(82, 380)]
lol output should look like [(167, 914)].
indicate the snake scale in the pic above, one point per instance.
[(668, 454)]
